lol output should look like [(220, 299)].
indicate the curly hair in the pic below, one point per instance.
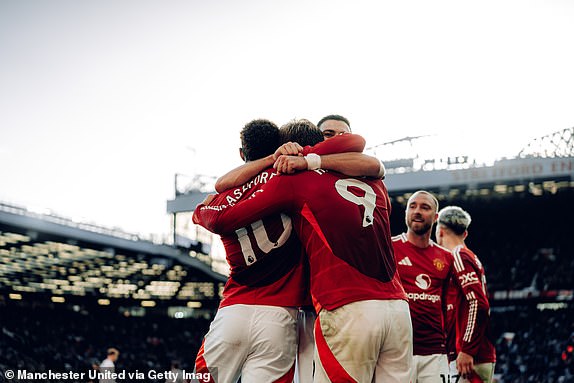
[(455, 219), (259, 138), (302, 131)]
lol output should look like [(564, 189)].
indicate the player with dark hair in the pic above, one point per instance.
[(267, 283), (470, 317), (253, 334), (353, 164), (334, 124), (304, 130), (425, 269), (363, 332), (259, 138)]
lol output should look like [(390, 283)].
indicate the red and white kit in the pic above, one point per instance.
[(343, 223), (471, 314), (426, 274), (269, 279)]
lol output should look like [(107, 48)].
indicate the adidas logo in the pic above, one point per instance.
[(405, 262)]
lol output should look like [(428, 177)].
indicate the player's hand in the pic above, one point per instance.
[(208, 199), (465, 364), (288, 149), (290, 164)]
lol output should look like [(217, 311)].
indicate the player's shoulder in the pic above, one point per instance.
[(465, 254), (462, 252), (401, 238), (440, 249)]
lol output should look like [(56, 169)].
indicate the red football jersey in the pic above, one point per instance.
[(450, 322), (343, 224), (471, 309), (425, 274), (267, 263), (265, 257)]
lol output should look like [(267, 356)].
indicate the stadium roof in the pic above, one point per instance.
[(548, 158), (546, 162)]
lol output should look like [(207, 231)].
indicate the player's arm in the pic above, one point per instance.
[(212, 204), (354, 164), (243, 173), (249, 170), (341, 153), (343, 143), (273, 197), (475, 319), (339, 144), (351, 164), (449, 300)]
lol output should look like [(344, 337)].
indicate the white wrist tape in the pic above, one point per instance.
[(382, 170), (313, 161)]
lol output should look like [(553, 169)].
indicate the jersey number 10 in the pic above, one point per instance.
[(262, 238)]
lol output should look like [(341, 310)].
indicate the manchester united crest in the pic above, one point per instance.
[(438, 264)]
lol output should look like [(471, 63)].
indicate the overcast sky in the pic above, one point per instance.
[(102, 102)]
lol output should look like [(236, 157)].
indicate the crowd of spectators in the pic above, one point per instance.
[(60, 339), (524, 241), (533, 345)]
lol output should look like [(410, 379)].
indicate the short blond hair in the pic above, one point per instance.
[(455, 219)]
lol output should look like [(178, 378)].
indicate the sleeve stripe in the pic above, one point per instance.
[(401, 237), (458, 265), (473, 306)]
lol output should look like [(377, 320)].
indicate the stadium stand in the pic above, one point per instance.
[(68, 291), (47, 254), (41, 338)]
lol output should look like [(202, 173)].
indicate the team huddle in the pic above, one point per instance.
[(319, 290)]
